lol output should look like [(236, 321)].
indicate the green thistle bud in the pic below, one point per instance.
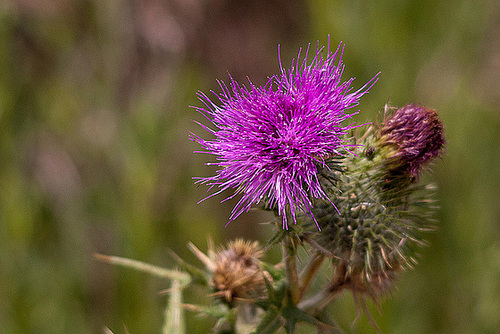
[(380, 209)]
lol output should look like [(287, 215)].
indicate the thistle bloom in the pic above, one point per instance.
[(271, 140)]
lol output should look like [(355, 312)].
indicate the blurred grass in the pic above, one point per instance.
[(95, 156)]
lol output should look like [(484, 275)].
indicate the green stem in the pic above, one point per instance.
[(309, 272), (292, 277), (322, 299), (174, 316)]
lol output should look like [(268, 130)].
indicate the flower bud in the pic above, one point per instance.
[(379, 210), (368, 242), (417, 135)]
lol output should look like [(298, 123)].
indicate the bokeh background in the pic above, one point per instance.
[(95, 156)]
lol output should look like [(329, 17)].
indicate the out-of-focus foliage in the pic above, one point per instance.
[(95, 156)]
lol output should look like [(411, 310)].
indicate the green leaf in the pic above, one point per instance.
[(198, 276), (293, 315), (276, 274), (275, 295), (275, 240), (270, 322), (218, 311)]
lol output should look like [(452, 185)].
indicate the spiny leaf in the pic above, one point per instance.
[(275, 295), (145, 267), (270, 323), (199, 276), (218, 311), (275, 240), (276, 273), (292, 315)]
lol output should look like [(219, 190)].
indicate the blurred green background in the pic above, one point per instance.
[(95, 156)]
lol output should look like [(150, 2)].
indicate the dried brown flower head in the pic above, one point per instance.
[(237, 272)]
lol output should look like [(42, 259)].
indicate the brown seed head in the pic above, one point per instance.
[(237, 272)]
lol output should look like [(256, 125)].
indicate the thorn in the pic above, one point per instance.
[(191, 307), (201, 256), (102, 257)]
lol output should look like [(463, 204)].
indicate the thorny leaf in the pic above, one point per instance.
[(270, 322)]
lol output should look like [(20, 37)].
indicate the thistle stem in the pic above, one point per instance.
[(309, 272), (322, 299), (183, 278), (289, 258), (174, 315)]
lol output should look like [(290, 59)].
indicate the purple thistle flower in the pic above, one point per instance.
[(271, 140), (418, 134)]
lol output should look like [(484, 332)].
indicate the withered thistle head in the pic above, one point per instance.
[(237, 272), (417, 134)]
